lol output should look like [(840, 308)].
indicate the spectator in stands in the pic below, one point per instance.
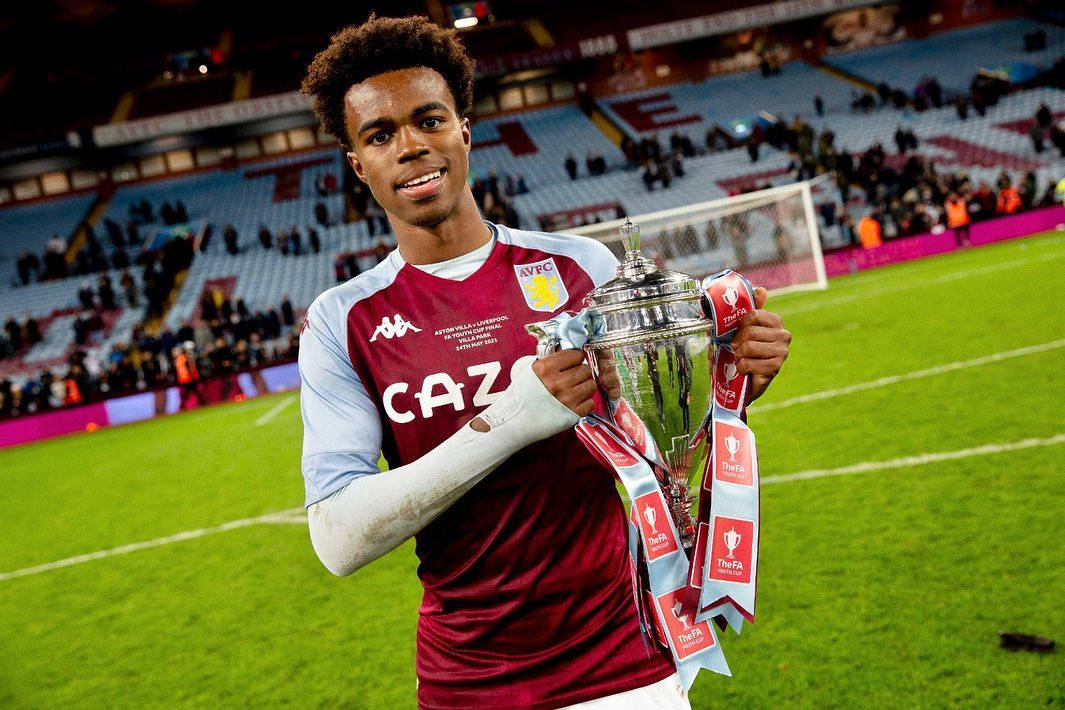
[(28, 267), (287, 314), (314, 240), (961, 106), (869, 231), (85, 296), (819, 105), (1057, 138), (1043, 117), (283, 242), (265, 238), (14, 334), (958, 218), (129, 288), (1037, 134), (1009, 200), (1027, 189), (380, 251), (33, 330), (375, 214), (133, 234), (321, 213), (571, 166), (351, 265), (229, 236), (295, 240), (752, 150), (106, 293), (522, 187)]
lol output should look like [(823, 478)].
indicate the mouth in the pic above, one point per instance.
[(423, 186)]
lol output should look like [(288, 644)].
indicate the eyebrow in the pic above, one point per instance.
[(382, 122)]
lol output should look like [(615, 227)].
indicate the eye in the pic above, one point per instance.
[(378, 138), (432, 122)]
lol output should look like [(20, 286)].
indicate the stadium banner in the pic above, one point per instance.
[(895, 251), (148, 405), (733, 21), (228, 114)]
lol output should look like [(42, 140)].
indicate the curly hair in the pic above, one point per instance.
[(379, 45)]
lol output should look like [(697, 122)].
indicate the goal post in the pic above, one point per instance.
[(770, 236)]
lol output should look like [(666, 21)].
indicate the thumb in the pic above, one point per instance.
[(760, 296)]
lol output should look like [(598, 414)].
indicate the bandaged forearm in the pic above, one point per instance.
[(374, 514)]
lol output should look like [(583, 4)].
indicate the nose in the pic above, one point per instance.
[(411, 144)]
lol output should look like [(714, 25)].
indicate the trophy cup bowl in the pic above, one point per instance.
[(652, 356)]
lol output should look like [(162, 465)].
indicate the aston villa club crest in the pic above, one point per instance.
[(542, 285)]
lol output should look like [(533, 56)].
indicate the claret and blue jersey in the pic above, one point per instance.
[(528, 596)]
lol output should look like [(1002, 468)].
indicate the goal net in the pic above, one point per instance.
[(770, 236)]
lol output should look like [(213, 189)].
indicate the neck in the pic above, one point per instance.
[(462, 232)]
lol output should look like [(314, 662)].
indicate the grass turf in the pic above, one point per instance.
[(885, 588)]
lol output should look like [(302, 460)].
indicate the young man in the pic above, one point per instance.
[(520, 533)]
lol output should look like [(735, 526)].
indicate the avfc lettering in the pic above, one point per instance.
[(440, 389)]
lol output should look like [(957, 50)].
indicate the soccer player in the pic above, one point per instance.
[(520, 533)]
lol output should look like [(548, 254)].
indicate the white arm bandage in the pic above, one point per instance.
[(374, 514)]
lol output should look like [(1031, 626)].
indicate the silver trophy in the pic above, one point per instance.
[(652, 356)]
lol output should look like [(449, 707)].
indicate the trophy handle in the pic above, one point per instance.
[(546, 340)]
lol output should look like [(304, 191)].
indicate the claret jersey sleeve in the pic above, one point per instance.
[(341, 425)]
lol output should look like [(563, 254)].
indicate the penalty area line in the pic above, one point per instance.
[(284, 516), (907, 376), (919, 460), (275, 410), (295, 515)]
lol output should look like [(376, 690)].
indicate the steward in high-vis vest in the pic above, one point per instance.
[(958, 218), (869, 232)]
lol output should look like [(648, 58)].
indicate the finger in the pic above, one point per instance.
[(578, 394), (756, 333), (760, 350), (574, 376), (584, 408), (760, 295), (759, 317), (768, 367), (565, 359)]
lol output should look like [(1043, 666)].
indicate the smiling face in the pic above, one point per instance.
[(409, 144)]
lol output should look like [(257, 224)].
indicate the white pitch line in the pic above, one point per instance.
[(275, 410), (280, 516), (907, 376), (920, 460), (294, 515), (945, 278)]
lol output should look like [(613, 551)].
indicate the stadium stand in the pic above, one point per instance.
[(953, 57), (28, 227), (694, 108)]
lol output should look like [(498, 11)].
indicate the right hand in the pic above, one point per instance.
[(567, 376)]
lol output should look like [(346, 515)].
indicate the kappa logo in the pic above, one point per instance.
[(541, 285), (396, 328)]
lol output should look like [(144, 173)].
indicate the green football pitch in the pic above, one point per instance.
[(913, 455)]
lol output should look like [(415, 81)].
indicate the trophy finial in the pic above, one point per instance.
[(630, 236)]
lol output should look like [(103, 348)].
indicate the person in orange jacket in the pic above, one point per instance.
[(1009, 200), (958, 218), (869, 232)]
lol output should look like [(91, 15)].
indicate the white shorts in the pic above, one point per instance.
[(666, 694)]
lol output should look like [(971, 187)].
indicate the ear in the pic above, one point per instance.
[(464, 126), (353, 160)]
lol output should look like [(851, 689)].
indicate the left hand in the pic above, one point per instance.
[(761, 346)]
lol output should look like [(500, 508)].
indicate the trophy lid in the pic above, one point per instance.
[(638, 278), (642, 301)]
